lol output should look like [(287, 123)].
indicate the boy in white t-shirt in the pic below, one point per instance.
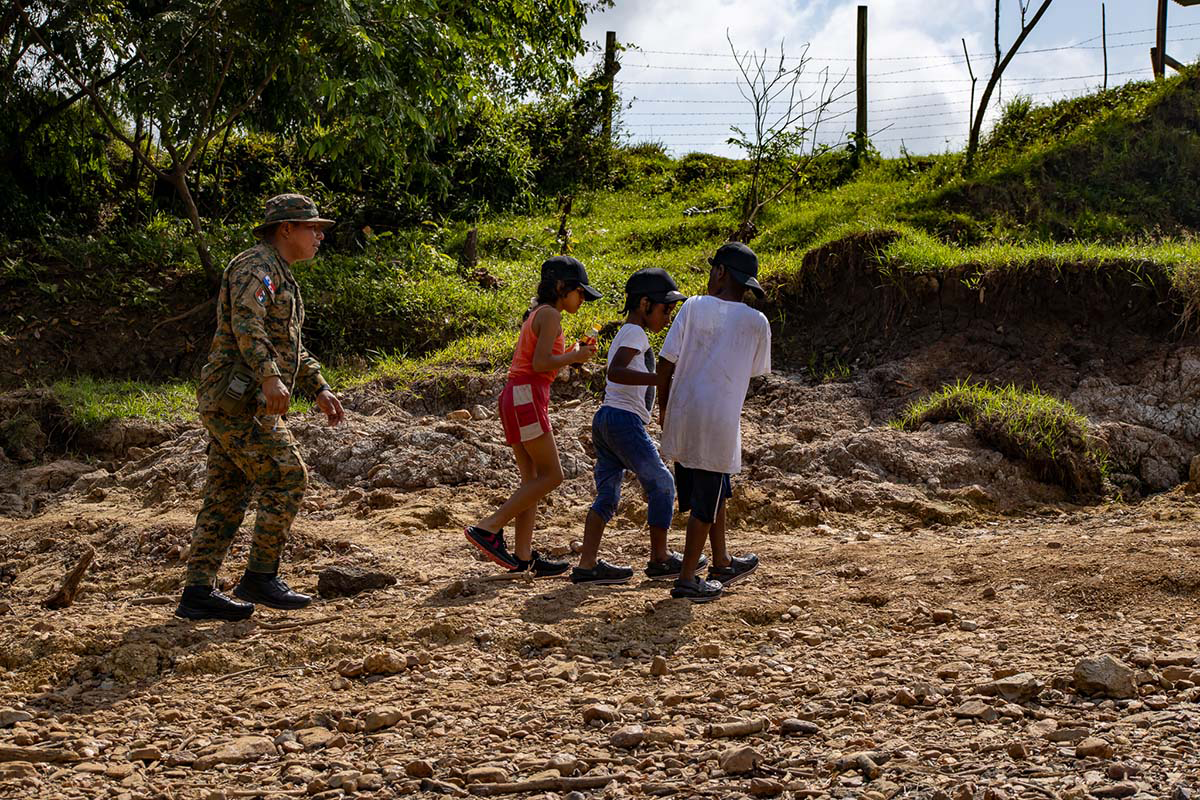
[(620, 438), (717, 343)]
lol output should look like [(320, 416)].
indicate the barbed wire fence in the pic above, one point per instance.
[(901, 107)]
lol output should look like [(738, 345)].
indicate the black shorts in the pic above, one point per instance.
[(701, 492)]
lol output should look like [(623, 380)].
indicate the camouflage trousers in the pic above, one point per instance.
[(242, 457)]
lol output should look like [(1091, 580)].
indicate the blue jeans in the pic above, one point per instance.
[(622, 444)]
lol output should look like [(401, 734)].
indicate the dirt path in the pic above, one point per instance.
[(920, 645)]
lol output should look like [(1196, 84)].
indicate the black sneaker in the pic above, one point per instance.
[(268, 589), (696, 590), (670, 569), (540, 567), (603, 573), (205, 602), (491, 545), (738, 568)]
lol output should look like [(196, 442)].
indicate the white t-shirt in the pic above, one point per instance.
[(635, 399), (717, 346)]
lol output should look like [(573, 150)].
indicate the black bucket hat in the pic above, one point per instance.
[(742, 264), (655, 283), (566, 268)]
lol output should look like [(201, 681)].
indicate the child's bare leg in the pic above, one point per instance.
[(658, 544), (693, 546), (523, 530), (593, 531), (541, 474), (716, 535)]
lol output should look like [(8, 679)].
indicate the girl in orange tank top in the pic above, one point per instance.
[(524, 412)]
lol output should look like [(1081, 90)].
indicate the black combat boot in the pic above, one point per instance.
[(205, 602), (268, 589)]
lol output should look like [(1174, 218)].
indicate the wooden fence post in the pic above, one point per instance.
[(860, 123), (611, 67)]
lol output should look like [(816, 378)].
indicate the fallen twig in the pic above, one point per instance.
[(742, 727), (153, 600), (506, 576), (546, 784), (36, 755), (65, 595), (1042, 789), (194, 310), (271, 792), (238, 674), (287, 626)]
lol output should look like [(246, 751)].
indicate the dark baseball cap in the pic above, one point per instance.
[(566, 268), (741, 263), (655, 283)]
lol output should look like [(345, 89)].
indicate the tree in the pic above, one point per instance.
[(783, 144), (998, 70), (363, 83)]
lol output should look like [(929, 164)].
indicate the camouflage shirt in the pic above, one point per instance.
[(259, 317)]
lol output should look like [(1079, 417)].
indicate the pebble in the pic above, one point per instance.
[(418, 768), (658, 666), (485, 775), (1104, 675), (628, 737), (1093, 747), (798, 726), (765, 787), (738, 760), (601, 711), (11, 716)]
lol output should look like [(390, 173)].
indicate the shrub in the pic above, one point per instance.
[(402, 296)]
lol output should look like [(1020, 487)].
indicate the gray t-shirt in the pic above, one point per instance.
[(635, 399)]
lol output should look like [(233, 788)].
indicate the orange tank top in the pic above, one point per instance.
[(522, 362)]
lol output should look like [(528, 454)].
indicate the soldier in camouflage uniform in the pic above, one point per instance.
[(256, 361)]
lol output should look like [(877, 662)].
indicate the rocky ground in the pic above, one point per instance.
[(929, 621)]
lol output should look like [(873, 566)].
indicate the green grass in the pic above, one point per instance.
[(1079, 183), (1027, 424), (91, 402)]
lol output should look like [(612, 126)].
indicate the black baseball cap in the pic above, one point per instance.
[(655, 283), (741, 263), (566, 268)]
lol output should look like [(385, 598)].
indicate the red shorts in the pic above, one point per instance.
[(525, 410)]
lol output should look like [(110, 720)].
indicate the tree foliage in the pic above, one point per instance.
[(367, 86)]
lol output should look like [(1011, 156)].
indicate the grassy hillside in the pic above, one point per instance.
[(1109, 180)]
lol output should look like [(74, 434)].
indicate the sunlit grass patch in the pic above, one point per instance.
[(92, 402), (1027, 424)]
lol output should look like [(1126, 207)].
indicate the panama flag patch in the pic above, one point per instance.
[(261, 296), (269, 284)]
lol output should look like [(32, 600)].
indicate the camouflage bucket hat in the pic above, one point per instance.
[(289, 208)]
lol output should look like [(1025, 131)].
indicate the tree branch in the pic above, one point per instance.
[(1026, 29), (49, 113), (91, 93)]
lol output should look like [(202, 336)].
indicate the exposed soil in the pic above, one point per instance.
[(902, 573), (914, 630)]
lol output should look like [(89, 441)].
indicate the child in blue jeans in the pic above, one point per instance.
[(620, 438)]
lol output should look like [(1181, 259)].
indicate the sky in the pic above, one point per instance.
[(678, 77)]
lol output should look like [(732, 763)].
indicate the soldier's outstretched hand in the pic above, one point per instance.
[(328, 402)]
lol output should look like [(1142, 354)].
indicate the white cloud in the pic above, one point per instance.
[(918, 87)]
